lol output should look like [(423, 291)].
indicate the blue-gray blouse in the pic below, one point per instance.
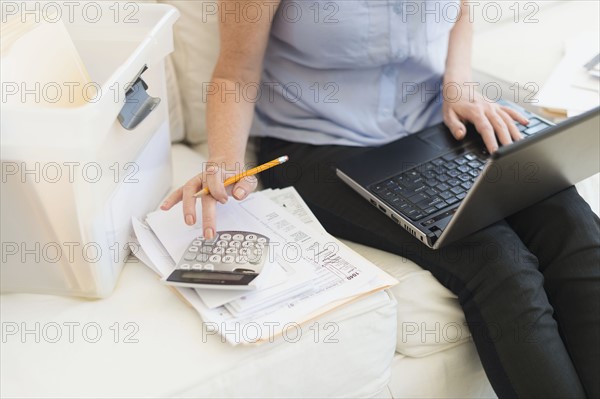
[(352, 72)]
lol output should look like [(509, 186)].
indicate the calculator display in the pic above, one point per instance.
[(211, 276), (194, 277)]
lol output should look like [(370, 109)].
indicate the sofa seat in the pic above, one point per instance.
[(164, 351)]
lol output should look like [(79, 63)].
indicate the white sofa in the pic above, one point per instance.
[(392, 344)]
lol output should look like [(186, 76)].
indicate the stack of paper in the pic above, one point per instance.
[(310, 271)]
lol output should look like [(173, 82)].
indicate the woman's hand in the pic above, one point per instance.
[(462, 104), (213, 176), (495, 123)]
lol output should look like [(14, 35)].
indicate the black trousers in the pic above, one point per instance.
[(529, 285)]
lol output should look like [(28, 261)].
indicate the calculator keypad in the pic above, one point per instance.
[(229, 251)]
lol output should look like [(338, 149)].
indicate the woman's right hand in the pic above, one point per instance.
[(213, 176)]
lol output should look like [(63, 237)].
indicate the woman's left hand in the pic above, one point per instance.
[(494, 122)]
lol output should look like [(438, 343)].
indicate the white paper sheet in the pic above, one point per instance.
[(276, 279), (294, 204), (151, 247)]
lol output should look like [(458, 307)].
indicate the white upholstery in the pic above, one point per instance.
[(174, 98), (429, 317), (196, 37), (162, 352), (452, 373)]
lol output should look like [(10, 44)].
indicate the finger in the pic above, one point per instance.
[(242, 188), (485, 129), (214, 181), (209, 212), (189, 201), (457, 128), (499, 126), (514, 114), (172, 199), (512, 128)]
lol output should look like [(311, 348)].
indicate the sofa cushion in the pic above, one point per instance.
[(176, 121), (429, 317), (143, 341), (196, 37)]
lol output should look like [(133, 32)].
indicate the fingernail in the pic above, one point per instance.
[(164, 205), (189, 220), (239, 193), (208, 233)]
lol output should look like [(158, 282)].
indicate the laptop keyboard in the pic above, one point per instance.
[(441, 182), (534, 126)]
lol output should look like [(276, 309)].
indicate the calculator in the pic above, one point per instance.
[(231, 260)]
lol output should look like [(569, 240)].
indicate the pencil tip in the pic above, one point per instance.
[(283, 159)]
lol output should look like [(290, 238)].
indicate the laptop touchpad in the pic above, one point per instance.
[(440, 137)]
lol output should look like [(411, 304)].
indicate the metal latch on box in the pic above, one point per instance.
[(138, 103)]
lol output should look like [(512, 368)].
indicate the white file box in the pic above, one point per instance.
[(72, 177)]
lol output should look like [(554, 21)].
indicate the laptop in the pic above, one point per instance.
[(440, 189)]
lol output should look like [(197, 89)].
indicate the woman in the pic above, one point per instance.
[(339, 77)]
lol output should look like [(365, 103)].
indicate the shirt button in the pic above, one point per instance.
[(397, 7), (401, 54)]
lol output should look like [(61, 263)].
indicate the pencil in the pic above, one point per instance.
[(250, 172)]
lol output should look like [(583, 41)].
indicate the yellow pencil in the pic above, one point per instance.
[(251, 172)]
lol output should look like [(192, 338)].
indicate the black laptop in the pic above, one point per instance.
[(440, 189)]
